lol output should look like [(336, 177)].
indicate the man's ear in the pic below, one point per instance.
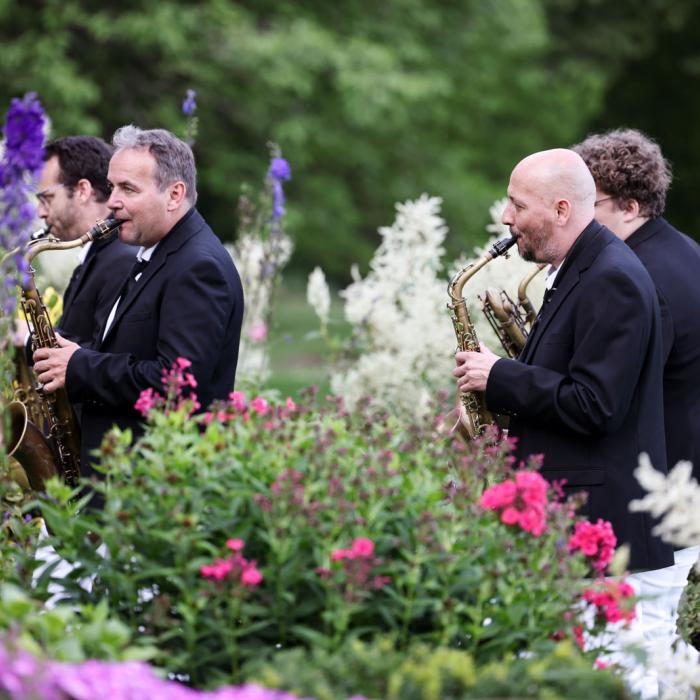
[(83, 190), (563, 211), (630, 210), (177, 193)]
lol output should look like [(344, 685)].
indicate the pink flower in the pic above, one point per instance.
[(291, 406), (235, 545), (237, 400), (258, 332), (218, 570), (510, 516), (614, 600), (147, 400), (522, 501), (183, 363), (533, 520), (499, 495), (362, 547), (251, 576), (260, 405), (595, 540), (338, 554)]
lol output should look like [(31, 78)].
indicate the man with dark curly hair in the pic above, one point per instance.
[(632, 178)]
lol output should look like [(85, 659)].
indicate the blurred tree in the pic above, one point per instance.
[(370, 104)]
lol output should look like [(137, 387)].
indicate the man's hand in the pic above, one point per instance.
[(473, 368), (50, 363)]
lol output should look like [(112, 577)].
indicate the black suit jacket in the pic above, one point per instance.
[(188, 303), (586, 391), (93, 286), (673, 262)]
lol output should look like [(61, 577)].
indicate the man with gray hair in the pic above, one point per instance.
[(632, 179), (183, 299), (586, 390)]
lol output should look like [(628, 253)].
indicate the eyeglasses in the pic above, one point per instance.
[(600, 201), (45, 196)]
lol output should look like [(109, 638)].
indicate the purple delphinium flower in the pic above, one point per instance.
[(20, 166), (279, 170), (189, 105)]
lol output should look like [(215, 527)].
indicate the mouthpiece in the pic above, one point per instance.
[(103, 228), (500, 247)]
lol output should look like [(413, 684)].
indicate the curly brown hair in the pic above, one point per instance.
[(627, 164)]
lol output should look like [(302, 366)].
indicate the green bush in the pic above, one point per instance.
[(379, 670), (263, 526), (63, 633), (689, 609)]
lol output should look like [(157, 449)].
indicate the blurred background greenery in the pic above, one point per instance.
[(371, 103)]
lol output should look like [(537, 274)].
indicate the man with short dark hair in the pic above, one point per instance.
[(183, 298), (632, 179), (72, 196), (586, 390)]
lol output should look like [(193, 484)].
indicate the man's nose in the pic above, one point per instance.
[(113, 201), (506, 217)]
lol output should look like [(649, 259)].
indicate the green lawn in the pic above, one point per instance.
[(299, 356)]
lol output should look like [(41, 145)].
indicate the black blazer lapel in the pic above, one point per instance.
[(580, 256), (183, 230)]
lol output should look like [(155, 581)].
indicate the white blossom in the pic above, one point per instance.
[(401, 326), (318, 295), (399, 311), (674, 499), (678, 667), (259, 262)]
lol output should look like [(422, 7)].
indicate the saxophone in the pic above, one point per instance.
[(53, 448), (474, 417), (510, 321)]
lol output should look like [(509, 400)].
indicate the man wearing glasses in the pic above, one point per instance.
[(632, 178), (72, 195)]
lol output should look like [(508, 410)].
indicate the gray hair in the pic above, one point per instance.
[(174, 158)]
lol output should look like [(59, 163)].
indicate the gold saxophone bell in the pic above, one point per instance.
[(29, 446)]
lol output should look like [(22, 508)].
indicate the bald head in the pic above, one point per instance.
[(557, 174), (552, 195)]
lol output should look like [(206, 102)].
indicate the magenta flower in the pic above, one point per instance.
[(596, 540), (522, 502), (237, 400), (148, 399), (613, 600), (251, 576), (362, 547), (260, 406)]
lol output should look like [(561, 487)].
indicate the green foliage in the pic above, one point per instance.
[(371, 105), (63, 633), (380, 670), (688, 624), (297, 484)]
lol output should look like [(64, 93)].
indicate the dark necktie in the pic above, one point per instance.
[(138, 267), (548, 295)]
